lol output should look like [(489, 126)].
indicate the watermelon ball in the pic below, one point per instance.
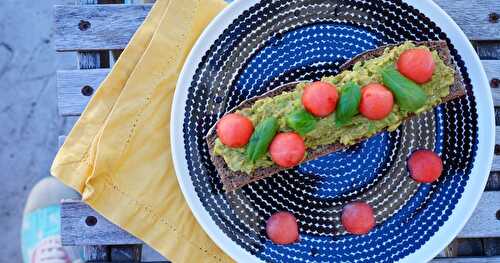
[(320, 98), (287, 149), (357, 218), (282, 228), (234, 130), (416, 64), (376, 101), (425, 166)]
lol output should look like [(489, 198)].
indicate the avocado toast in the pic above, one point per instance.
[(236, 172)]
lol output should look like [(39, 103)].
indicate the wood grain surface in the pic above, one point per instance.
[(108, 26), (71, 101), (75, 230), (473, 17), (483, 222), (112, 26)]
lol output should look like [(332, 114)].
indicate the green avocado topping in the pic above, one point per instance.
[(286, 108)]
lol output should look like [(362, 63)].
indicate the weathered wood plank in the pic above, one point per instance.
[(71, 101), (97, 27), (467, 260), (75, 87), (496, 160), (495, 167), (81, 225), (474, 17), (483, 222), (111, 26), (128, 253), (96, 253), (89, 60), (492, 68), (92, 60)]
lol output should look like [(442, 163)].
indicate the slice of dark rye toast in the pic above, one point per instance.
[(235, 180)]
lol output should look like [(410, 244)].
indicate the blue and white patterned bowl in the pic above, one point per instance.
[(254, 46)]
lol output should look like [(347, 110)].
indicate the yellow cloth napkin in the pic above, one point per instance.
[(118, 153)]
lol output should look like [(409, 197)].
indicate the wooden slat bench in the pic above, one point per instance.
[(99, 29)]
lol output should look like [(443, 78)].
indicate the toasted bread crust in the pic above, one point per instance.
[(235, 180)]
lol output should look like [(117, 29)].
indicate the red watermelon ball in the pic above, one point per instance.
[(357, 218), (425, 166), (282, 228)]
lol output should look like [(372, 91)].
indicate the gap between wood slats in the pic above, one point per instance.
[(111, 26), (488, 50), (472, 247), (126, 253)]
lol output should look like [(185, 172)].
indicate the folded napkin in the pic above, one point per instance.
[(118, 153)]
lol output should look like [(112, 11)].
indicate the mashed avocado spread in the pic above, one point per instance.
[(326, 131)]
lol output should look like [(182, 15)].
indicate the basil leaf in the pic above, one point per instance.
[(348, 103), (301, 121), (261, 138), (409, 96)]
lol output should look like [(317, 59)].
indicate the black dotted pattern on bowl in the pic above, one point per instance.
[(276, 42)]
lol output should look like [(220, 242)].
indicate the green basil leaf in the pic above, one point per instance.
[(301, 121), (348, 103), (409, 95), (261, 138)]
